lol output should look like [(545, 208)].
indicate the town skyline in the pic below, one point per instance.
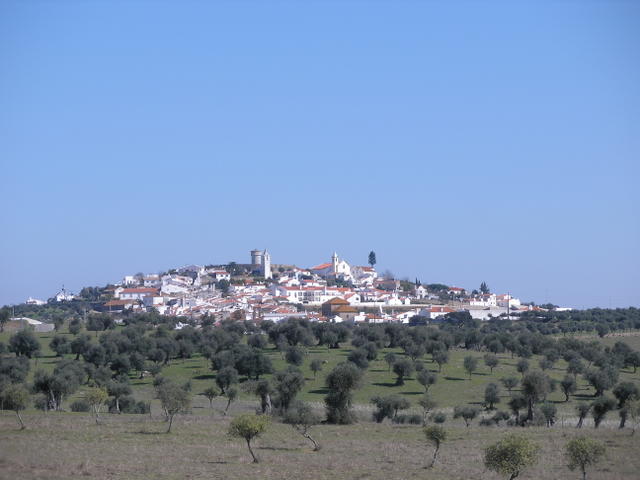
[(494, 142), (71, 290)]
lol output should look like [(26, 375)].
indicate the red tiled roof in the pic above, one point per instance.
[(345, 309), (337, 301), (322, 266)]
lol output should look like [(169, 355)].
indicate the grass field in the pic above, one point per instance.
[(66, 446), (62, 445), (453, 387)]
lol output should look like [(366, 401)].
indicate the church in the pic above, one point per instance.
[(336, 268)]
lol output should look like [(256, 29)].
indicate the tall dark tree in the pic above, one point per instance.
[(372, 258)]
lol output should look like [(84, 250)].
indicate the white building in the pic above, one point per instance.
[(435, 311), (218, 275), (64, 296), (484, 300), (34, 301), (363, 275), (336, 268), (37, 325), (151, 281), (136, 293), (507, 300)]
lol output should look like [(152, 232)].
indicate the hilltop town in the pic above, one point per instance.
[(335, 291)]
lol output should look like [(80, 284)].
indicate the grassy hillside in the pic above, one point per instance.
[(453, 387)]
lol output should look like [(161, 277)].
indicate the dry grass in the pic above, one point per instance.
[(65, 446)]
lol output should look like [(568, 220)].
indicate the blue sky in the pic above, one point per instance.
[(462, 141)]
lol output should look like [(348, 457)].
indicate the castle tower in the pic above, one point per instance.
[(256, 258), (266, 265), (334, 262)]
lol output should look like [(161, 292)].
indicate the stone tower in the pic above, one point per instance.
[(334, 262), (266, 264)]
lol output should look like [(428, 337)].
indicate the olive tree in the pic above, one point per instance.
[(232, 395), (440, 357), (582, 452), (633, 411), (174, 400), (248, 427), (390, 358), (226, 377), (549, 412), (96, 398), (535, 387), (600, 407), (436, 435), (24, 343), (625, 391), (302, 417), (522, 366), (491, 395), (264, 390), (568, 385), (510, 383), (15, 397), (340, 382), (287, 384), (511, 455), (387, 407), (211, 393), (315, 366), (402, 368), (582, 409), (118, 389), (470, 364), (491, 361), (427, 403), (466, 412), (426, 379)]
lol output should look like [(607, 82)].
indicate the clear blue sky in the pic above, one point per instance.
[(462, 141)]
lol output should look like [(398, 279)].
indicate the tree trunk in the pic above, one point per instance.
[(584, 473), (316, 447), (435, 456), (266, 409), (514, 475), (227, 408), (255, 459), (118, 404), (623, 420), (580, 419), (170, 423), (530, 410), (22, 426)]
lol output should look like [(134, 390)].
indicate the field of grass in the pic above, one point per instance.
[(453, 387), (63, 445), (66, 446)]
